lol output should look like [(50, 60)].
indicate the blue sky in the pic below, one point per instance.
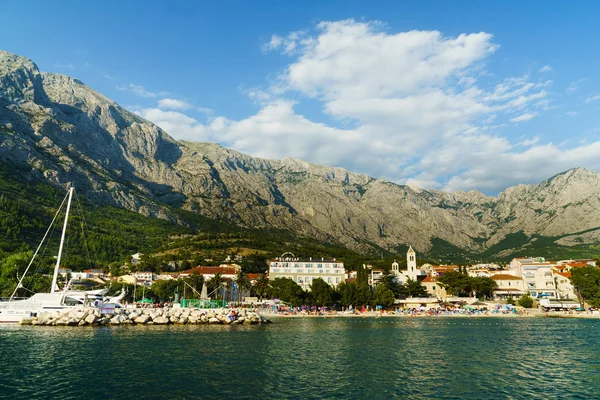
[(446, 95)]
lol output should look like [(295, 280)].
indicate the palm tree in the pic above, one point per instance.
[(261, 285), (215, 283), (228, 284), (243, 283), (196, 281)]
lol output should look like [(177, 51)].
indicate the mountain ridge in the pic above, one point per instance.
[(67, 132)]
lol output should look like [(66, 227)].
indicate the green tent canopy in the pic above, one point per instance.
[(145, 300)]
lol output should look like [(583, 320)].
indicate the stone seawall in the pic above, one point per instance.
[(88, 316)]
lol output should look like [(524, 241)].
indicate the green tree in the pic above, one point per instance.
[(483, 286), (390, 282), (414, 289), (348, 293), (196, 281), (286, 290), (363, 294), (383, 296), (261, 286), (526, 301), (456, 283), (586, 281), (214, 284), (321, 293), (242, 282), (511, 301)]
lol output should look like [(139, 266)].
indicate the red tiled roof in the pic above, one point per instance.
[(505, 277), (578, 264), (253, 277), (430, 279), (565, 274)]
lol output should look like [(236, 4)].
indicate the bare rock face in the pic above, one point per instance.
[(68, 132)]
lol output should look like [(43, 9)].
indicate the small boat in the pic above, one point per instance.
[(14, 310)]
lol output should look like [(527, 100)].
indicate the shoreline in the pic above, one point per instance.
[(374, 315)]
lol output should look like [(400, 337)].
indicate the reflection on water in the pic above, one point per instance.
[(453, 358)]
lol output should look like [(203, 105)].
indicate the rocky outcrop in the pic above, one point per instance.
[(68, 132)]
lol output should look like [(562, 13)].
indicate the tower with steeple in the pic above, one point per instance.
[(395, 268), (411, 264)]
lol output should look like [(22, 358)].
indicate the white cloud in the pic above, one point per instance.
[(205, 110), (412, 107), (174, 104), (574, 85), (530, 142), (546, 68), (531, 166), (140, 91), (69, 66), (523, 117), (592, 98), (571, 113)]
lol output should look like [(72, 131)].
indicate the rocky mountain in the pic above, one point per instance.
[(64, 131)]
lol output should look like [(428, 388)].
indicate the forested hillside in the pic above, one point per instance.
[(101, 235)]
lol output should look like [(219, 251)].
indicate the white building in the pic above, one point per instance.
[(537, 273), (508, 286), (304, 271), (433, 287), (564, 287), (144, 278), (411, 272)]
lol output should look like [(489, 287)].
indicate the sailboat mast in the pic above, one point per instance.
[(62, 241)]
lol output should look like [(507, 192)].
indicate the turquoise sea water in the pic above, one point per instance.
[(312, 358)]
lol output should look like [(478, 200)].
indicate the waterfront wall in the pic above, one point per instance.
[(88, 316)]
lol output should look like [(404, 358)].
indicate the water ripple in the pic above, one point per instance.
[(453, 358)]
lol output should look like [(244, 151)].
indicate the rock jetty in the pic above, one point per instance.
[(89, 316)]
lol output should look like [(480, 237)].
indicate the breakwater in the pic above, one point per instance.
[(92, 316)]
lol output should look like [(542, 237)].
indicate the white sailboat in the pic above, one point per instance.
[(14, 310)]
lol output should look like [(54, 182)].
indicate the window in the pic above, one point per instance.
[(433, 287), (320, 271), (319, 265), (299, 280), (337, 280), (329, 280)]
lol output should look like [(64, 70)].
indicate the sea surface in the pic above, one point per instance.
[(307, 358)]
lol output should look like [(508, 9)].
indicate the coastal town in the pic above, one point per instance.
[(548, 283)]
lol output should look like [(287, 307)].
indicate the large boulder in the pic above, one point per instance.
[(214, 320), (90, 319), (142, 319), (160, 320)]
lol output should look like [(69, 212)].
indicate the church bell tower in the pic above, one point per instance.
[(411, 264)]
